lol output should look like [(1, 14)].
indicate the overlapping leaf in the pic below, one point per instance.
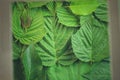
[(99, 71), (90, 43), (34, 31), (67, 18), (75, 71), (52, 7), (55, 46), (32, 64), (18, 70), (45, 11), (102, 11), (16, 49), (37, 4), (83, 7)]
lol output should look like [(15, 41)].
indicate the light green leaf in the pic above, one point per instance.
[(90, 43), (32, 64), (71, 72), (99, 71), (37, 4), (55, 47), (83, 7), (102, 11), (33, 32), (67, 18)]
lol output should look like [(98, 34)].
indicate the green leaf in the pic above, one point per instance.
[(45, 11), (55, 47), (16, 49), (37, 4), (20, 5), (25, 19), (67, 18), (71, 72), (18, 70), (51, 7), (32, 64), (90, 43), (99, 71), (59, 4), (83, 7), (102, 11), (32, 33)]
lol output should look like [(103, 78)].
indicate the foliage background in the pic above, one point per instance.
[(61, 40)]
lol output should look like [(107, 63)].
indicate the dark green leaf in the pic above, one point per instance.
[(18, 70), (99, 71), (102, 11), (32, 64), (16, 49), (71, 72), (90, 43)]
